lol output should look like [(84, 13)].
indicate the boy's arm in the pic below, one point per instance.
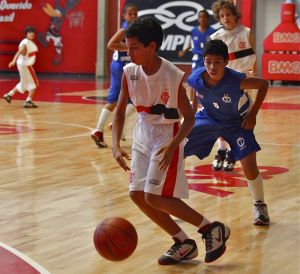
[(117, 41), (181, 53), (22, 50), (262, 86), (118, 124), (187, 125), (251, 40)]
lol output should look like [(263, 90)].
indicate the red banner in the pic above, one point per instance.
[(281, 67), (66, 33)]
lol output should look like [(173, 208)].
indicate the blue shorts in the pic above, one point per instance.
[(116, 71), (206, 131)]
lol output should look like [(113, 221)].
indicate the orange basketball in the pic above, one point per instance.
[(115, 239)]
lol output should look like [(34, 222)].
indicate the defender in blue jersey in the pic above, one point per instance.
[(119, 60), (227, 112), (199, 36)]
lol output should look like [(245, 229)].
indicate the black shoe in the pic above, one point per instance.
[(7, 98), (219, 160), (215, 236), (29, 104), (179, 251)]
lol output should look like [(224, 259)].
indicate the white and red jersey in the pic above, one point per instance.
[(241, 55), (30, 57), (155, 96)]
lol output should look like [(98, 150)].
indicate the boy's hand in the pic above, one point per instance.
[(11, 64), (119, 155), (166, 158)]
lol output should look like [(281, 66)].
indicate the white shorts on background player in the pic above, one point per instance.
[(146, 176)]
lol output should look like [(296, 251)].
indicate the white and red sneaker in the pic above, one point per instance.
[(98, 138)]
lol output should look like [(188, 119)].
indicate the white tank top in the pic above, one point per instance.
[(155, 96), (237, 39), (30, 57)]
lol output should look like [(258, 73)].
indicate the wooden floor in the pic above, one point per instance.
[(56, 186)]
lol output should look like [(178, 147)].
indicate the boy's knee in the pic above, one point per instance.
[(152, 200)]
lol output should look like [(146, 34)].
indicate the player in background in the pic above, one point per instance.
[(240, 42), (199, 35), (119, 60), (227, 112), (157, 177), (25, 58)]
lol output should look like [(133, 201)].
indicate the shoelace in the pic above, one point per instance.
[(261, 208), (174, 248), (208, 240)]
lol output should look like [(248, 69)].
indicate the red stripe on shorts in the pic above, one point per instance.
[(33, 75), (171, 177)]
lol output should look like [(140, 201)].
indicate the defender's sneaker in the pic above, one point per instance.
[(215, 236), (228, 164), (29, 104), (260, 212), (219, 160), (98, 138), (179, 251), (7, 98)]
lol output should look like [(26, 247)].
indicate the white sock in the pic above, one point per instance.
[(12, 93), (256, 188), (181, 236), (222, 144), (103, 119), (204, 223)]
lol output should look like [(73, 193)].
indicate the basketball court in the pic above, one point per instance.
[(56, 185)]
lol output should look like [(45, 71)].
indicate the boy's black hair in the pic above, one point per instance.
[(205, 12), (216, 47), (29, 29), (146, 30), (128, 6)]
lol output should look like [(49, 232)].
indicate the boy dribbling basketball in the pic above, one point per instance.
[(157, 181)]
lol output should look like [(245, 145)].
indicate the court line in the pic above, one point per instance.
[(282, 98), (25, 258), (49, 138)]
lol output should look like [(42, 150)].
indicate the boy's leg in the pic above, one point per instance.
[(8, 96), (98, 132), (255, 185), (214, 234), (28, 102)]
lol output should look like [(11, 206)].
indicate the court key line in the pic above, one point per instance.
[(25, 258), (49, 138)]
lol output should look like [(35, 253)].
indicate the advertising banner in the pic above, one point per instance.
[(177, 19), (65, 33)]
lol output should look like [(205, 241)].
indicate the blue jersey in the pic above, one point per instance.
[(224, 107), (225, 103), (120, 59), (198, 39), (121, 56)]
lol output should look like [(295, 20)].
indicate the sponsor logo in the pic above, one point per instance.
[(219, 238), (241, 143), (182, 254), (226, 99), (133, 77), (216, 105), (154, 182), (286, 37), (283, 67), (131, 177)]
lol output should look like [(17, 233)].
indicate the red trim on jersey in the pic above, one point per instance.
[(143, 109), (33, 75), (171, 177), (32, 54)]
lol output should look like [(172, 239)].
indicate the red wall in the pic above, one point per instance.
[(78, 34)]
